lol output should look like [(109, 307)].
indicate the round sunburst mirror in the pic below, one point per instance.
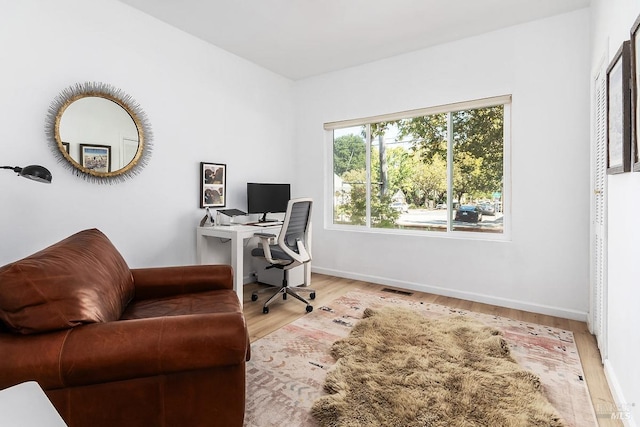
[(99, 132)]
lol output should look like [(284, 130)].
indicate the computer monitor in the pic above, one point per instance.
[(264, 198)]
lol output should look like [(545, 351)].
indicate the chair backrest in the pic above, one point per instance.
[(295, 236)]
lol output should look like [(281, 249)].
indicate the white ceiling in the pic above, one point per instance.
[(302, 38)]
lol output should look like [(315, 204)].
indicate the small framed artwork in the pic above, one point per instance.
[(619, 112), (213, 183), (96, 157), (635, 94), (66, 146)]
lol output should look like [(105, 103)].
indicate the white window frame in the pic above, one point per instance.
[(329, 127)]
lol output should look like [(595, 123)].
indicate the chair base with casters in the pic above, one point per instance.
[(285, 290)]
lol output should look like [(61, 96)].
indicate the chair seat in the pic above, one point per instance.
[(276, 253)]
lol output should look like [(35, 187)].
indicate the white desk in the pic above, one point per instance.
[(236, 235)]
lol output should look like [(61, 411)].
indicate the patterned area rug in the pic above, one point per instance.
[(288, 367)]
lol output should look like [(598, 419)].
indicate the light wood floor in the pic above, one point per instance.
[(329, 288)]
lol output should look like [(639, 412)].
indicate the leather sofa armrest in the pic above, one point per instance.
[(126, 349), (31, 357), (161, 282)]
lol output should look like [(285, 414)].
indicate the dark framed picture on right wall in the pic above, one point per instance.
[(634, 51), (619, 112)]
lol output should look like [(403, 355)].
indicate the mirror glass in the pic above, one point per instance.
[(101, 133), (98, 134)]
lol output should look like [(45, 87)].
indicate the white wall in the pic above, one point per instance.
[(203, 104), (545, 65), (612, 21)]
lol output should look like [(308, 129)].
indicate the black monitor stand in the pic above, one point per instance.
[(264, 218)]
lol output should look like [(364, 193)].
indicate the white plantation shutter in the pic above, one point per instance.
[(599, 244)]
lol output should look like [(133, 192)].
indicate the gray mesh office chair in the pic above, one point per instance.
[(291, 248)]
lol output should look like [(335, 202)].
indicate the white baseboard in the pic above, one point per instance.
[(622, 409), (470, 296)]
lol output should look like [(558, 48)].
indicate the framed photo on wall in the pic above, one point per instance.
[(635, 94), (96, 157), (213, 185), (619, 112)]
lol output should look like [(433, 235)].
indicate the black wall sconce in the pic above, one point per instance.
[(34, 172)]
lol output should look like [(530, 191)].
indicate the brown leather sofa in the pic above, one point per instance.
[(113, 346)]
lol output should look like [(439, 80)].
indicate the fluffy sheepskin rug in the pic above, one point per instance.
[(398, 368)]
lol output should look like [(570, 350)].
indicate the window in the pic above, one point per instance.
[(436, 170)]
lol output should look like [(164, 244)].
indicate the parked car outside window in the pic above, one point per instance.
[(468, 213), (487, 209)]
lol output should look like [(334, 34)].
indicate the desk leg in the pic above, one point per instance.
[(201, 244), (237, 262), (307, 274)]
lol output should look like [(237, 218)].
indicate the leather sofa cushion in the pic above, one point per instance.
[(207, 302), (81, 279)]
